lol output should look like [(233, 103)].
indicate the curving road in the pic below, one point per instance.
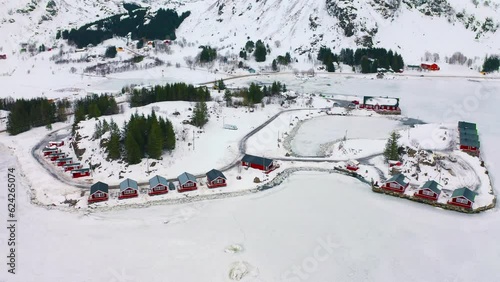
[(59, 175)]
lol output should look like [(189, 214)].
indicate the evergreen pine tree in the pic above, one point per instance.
[(132, 149), (365, 65), (200, 114), (260, 51), (274, 66), (154, 147), (228, 98), (113, 147), (169, 136), (391, 152)]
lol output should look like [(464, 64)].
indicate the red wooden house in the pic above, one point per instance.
[(72, 166), (431, 67), (381, 104), (56, 143), (261, 163), (352, 165), (63, 161), (187, 182), (430, 191), (396, 183), (54, 157), (216, 179), (82, 172), (98, 192), (128, 189), (50, 151), (463, 197), (395, 163), (158, 185)]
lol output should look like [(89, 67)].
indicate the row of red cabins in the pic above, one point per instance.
[(187, 182), (462, 197), (158, 185), (54, 153)]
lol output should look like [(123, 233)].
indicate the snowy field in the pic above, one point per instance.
[(372, 238), (375, 237), (315, 132)]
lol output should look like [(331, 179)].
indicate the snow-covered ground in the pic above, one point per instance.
[(313, 133), (316, 230), (256, 223)]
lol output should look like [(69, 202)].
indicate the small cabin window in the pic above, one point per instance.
[(189, 184), (428, 193), (462, 201), (129, 191), (99, 195)]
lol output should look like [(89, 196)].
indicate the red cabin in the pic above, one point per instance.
[(83, 172), (430, 191), (216, 179), (50, 151), (187, 182), (72, 166), (56, 143), (352, 165), (128, 189), (395, 163), (432, 67), (158, 185), (63, 161), (99, 192), (54, 157), (261, 163), (396, 183), (463, 197)]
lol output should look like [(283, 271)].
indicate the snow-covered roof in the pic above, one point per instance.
[(73, 164), (381, 101)]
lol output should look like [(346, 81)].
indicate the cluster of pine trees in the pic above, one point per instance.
[(258, 49), (94, 106), (140, 137), (326, 56), (27, 114), (373, 58), (254, 94), (6, 104), (168, 92), (369, 59), (136, 22), (281, 60), (207, 54), (491, 64)]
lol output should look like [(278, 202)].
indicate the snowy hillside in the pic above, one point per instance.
[(409, 27)]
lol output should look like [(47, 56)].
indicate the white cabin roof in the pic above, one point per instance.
[(381, 101)]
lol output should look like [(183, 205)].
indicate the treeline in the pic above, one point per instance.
[(369, 59), (26, 114), (258, 49), (168, 92), (6, 104), (254, 94), (491, 64), (143, 137), (94, 106), (137, 22)]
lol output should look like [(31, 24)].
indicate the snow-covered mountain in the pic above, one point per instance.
[(411, 27)]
